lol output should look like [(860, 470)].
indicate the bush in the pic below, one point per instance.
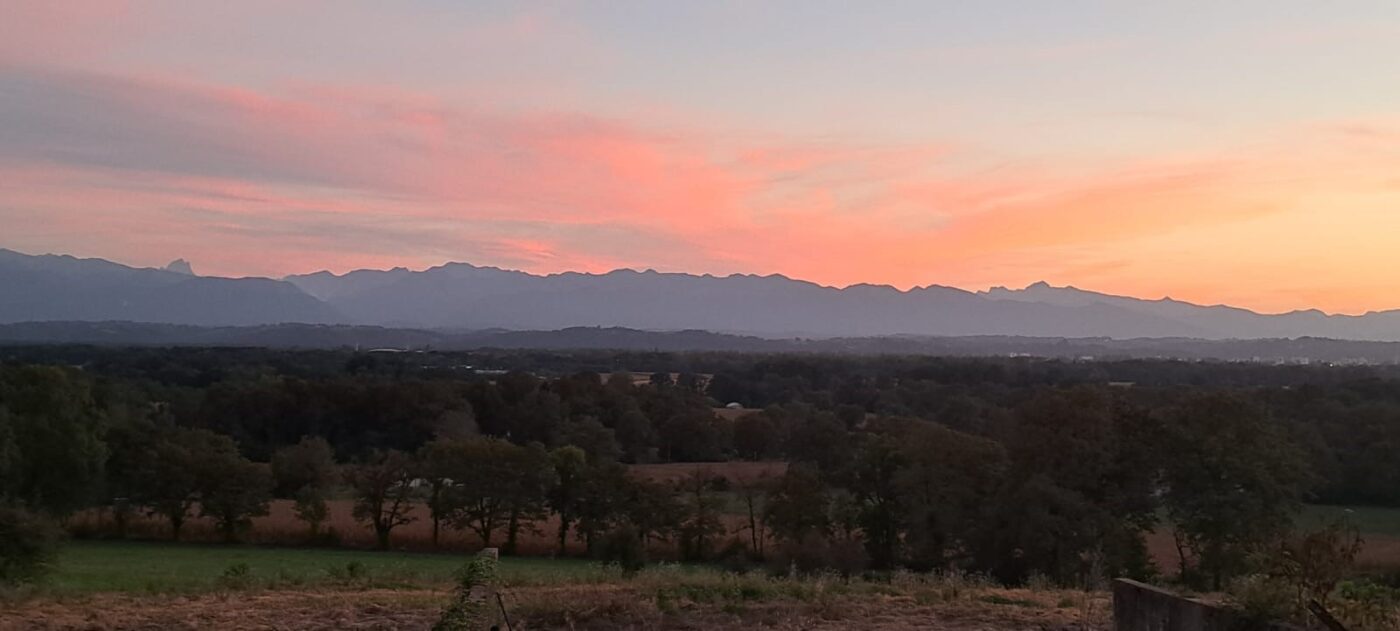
[(623, 547), (1367, 606), (815, 553), (468, 610), (352, 572), (328, 538), (736, 557), (1314, 563), (1263, 598), (1300, 568), (311, 508), (28, 544), (237, 576)]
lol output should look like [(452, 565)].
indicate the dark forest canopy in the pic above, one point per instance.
[(1012, 466), (1347, 417), (199, 365)]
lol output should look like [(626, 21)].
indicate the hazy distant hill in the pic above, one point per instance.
[(458, 296), (612, 338), (1219, 321), (467, 296), (49, 287)]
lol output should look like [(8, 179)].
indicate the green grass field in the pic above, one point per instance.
[(86, 567)]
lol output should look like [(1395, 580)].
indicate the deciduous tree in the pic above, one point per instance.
[(486, 478), (384, 492), (566, 495), (1232, 480), (441, 464), (526, 494), (798, 505), (232, 490), (310, 462), (51, 438)]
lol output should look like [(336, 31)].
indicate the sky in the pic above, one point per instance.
[(1245, 153)]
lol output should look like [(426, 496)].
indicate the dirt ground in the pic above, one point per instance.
[(602, 607)]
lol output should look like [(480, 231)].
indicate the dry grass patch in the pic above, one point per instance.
[(663, 597), (682, 598)]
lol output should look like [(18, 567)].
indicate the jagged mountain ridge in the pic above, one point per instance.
[(460, 296), (1221, 321), (467, 296), (59, 287)]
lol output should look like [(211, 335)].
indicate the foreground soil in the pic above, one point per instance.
[(564, 607)]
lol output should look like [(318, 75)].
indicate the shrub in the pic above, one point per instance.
[(1368, 606), (286, 579), (736, 557), (1263, 598), (28, 543), (1038, 582), (956, 584), (352, 572), (1300, 568), (1314, 563), (237, 576), (328, 538), (623, 547), (815, 553), (311, 508), (470, 611)]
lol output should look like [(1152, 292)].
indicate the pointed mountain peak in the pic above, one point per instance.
[(180, 266)]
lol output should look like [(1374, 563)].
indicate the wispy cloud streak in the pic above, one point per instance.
[(264, 182)]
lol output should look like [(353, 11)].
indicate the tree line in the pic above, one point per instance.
[(1016, 468)]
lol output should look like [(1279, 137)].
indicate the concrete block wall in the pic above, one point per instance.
[(1141, 607)]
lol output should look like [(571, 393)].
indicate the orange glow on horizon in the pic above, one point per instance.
[(256, 173)]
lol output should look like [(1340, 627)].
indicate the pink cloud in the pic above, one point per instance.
[(255, 182), (55, 31)]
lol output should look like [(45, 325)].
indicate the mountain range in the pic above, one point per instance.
[(50, 287), (463, 297)]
